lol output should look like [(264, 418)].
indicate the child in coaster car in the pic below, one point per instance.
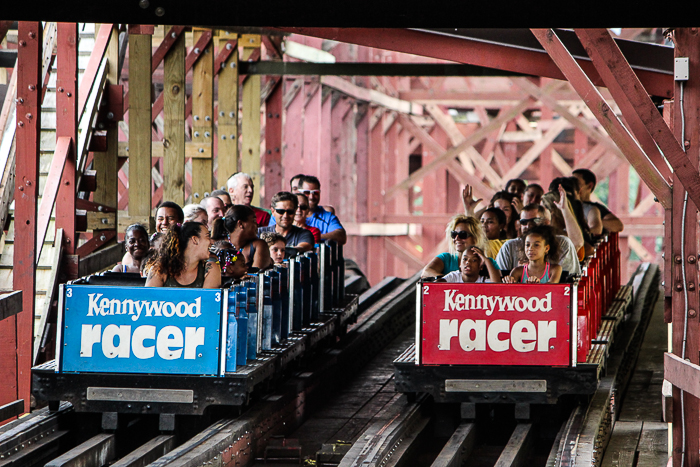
[(540, 248), (472, 263)]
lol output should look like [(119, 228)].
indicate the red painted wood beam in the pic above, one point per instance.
[(54, 181), (67, 127), (30, 41), (604, 114), (472, 52), (272, 157), (639, 111), (224, 53), (4, 27), (98, 53)]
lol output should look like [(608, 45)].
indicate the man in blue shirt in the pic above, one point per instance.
[(326, 222), (284, 206)]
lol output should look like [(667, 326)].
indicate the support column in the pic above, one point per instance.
[(687, 44), (174, 124), (272, 159), (250, 157), (67, 125), (202, 115), (227, 157), (139, 125), (29, 85), (375, 202)]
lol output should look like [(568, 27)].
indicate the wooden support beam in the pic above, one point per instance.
[(535, 150), (639, 111), (27, 141), (10, 305), (413, 262), (590, 95), (174, 123), (227, 157), (139, 124), (372, 96), (203, 118), (66, 127), (448, 125), (62, 153), (273, 180), (250, 125), (469, 141)]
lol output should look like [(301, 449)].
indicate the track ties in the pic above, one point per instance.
[(516, 451), (458, 447), (95, 452), (147, 453)]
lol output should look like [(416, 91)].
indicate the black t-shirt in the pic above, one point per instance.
[(604, 211), (295, 236)]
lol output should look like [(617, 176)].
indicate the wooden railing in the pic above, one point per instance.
[(10, 304)]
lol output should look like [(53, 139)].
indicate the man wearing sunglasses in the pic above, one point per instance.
[(284, 206), (325, 221), (530, 216)]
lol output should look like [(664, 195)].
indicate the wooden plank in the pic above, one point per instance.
[(654, 437), (192, 150), (535, 150), (590, 95), (147, 453), (227, 154), (203, 118), (174, 123), (98, 450), (403, 254), (515, 452), (10, 304), (105, 258), (458, 447), (50, 288), (372, 96), (250, 124), (448, 125), (12, 409), (51, 187), (140, 125)]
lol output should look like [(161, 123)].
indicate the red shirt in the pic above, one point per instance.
[(316, 233), (262, 217)]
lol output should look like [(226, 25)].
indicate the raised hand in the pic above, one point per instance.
[(562, 199), (468, 200), (517, 204)]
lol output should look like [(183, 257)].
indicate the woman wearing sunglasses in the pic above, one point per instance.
[(462, 232), (300, 217)]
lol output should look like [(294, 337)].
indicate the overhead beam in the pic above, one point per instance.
[(604, 114), (371, 95), (639, 111), (474, 51)]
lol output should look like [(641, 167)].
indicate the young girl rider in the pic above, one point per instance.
[(471, 264), (540, 249)]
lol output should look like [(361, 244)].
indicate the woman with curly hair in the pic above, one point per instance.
[(240, 228), (461, 233), (182, 260)]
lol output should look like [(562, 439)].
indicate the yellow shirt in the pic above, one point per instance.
[(494, 248)]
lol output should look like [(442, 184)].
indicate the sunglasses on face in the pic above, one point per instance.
[(462, 234), (533, 221), (309, 192), (289, 212), (303, 207)]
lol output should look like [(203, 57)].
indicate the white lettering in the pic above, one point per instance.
[(499, 326), (142, 333), (181, 309), (449, 303), (546, 330), (168, 309), (448, 330), (89, 336), (520, 304), (193, 337), (92, 304), (139, 308), (523, 330), (546, 303), (169, 343), (195, 310), (122, 349), (465, 331)]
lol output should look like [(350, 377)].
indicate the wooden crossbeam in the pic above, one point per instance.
[(371, 95), (469, 141), (644, 254), (639, 111), (448, 125), (10, 305), (64, 146), (644, 205), (403, 254), (535, 150), (604, 114)]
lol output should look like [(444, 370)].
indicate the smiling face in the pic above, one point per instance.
[(136, 244), (284, 213), (201, 243), (243, 192), (215, 210), (490, 225), (461, 244), (532, 195), (506, 207), (302, 209), (165, 217), (470, 264), (535, 247), (313, 192)]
